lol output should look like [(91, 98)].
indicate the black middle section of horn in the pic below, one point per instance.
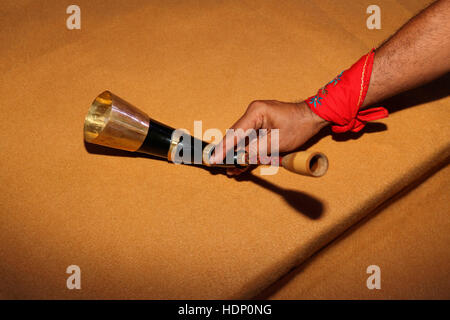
[(158, 141)]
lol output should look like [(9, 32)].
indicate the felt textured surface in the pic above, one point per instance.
[(407, 238), (143, 228)]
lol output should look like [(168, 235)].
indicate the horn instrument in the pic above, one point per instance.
[(115, 123)]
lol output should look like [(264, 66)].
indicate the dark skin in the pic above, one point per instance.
[(416, 54)]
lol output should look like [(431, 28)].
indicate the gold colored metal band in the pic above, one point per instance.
[(172, 148)]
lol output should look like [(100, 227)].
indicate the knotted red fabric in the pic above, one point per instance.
[(340, 99)]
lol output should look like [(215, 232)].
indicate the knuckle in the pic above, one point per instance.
[(257, 106)]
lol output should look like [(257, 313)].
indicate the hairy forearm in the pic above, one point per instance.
[(417, 53)]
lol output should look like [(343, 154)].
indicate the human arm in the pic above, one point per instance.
[(417, 53)]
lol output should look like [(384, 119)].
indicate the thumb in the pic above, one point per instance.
[(248, 121)]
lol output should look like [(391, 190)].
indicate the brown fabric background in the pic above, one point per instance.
[(407, 238), (142, 228)]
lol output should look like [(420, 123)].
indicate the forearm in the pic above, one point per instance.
[(417, 53)]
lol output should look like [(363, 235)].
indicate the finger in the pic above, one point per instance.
[(230, 140), (251, 150), (264, 150), (250, 120), (236, 171)]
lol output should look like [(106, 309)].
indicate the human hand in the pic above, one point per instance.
[(295, 121)]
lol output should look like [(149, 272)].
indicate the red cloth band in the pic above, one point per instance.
[(340, 99)]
